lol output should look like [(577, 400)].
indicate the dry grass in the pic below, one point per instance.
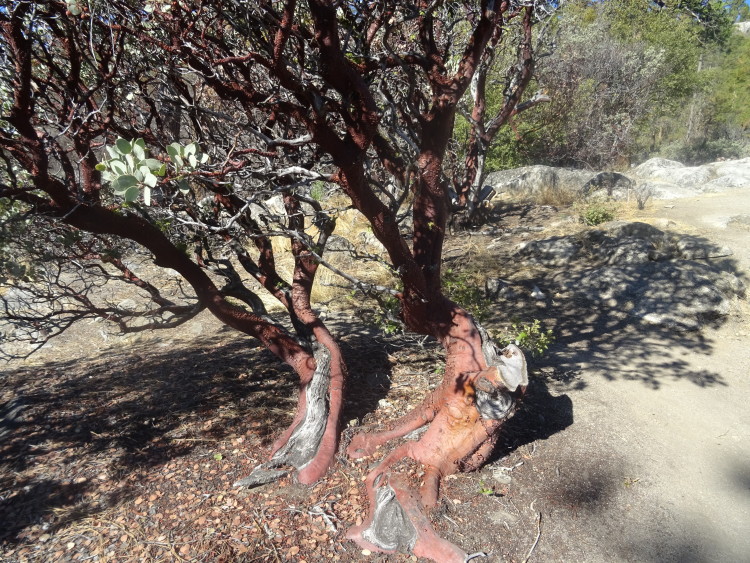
[(557, 197), (350, 225)]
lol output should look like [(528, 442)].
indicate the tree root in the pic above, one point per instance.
[(398, 523), (465, 415)]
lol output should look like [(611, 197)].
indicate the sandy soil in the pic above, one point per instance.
[(633, 443), (656, 463)]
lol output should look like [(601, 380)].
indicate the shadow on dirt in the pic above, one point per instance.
[(598, 304), (540, 416), (739, 477), (82, 420), (592, 341), (661, 548)]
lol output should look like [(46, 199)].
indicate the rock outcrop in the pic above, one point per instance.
[(657, 177), (533, 182), (657, 276), (669, 179)]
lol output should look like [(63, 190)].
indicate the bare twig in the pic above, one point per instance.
[(538, 533)]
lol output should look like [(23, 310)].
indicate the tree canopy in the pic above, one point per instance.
[(199, 135), (210, 138), (631, 80)]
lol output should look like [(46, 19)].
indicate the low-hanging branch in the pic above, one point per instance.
[(252, 102)]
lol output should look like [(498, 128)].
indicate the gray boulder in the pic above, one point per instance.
[(532, 182), (669, 179), (608, 182), (657, 177), (681, 295), (660, 277), (555, 251), (655, 166)]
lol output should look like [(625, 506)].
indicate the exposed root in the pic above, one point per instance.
[(399, 524), (481, 390)]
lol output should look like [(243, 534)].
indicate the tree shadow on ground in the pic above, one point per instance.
[(610, 337), (539, 416), (68, 423), (599, 332), (365, 352), (616, 346)]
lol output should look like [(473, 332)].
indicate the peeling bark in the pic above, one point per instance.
[(398, 523), (481, 390), (300, 448), (310, 442)]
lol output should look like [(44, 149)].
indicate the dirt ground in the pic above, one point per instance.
[(633, 443)]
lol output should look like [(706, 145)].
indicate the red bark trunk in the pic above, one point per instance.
[(480, 390)]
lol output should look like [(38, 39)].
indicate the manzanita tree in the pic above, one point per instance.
[(170, 126)]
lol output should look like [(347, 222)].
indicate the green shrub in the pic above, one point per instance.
[(531, 337), (701, 152), (318, 190), (386, 317), (462, 289), (597, 213)]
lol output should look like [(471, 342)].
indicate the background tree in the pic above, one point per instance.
[(627, 81), (506, 74), (194, 134)]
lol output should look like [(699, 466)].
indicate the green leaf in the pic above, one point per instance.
[(123, 146), (192, 160), (101, 167), (192, 148), (183, 186), (162, 170), (218, 457), (140, 143), (204, 158), (113, 152), (152, 164), (149, 179), (147, 195), (118, 166), (138, 175), (131, 194), (175, 152), (122, 183), (138, 151)]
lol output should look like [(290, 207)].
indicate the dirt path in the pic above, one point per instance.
[(656, 464)]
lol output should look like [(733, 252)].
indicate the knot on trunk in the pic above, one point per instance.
[(493, 401)]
